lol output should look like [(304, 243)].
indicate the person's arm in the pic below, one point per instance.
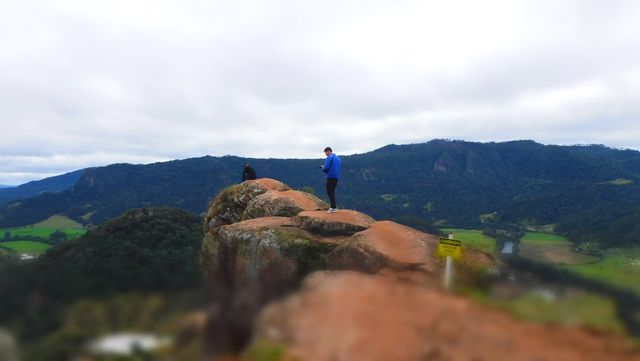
[(327, 163)]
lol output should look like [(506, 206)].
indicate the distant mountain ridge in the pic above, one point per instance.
[(34, 188), (591, 193)]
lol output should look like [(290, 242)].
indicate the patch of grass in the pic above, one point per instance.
[(551, 248), (264, 351), (27, 246), (543, 238), (573, 308), (629, 252), (617, 270), (60, 222), (43, 232), (472, 238), (620, 182)]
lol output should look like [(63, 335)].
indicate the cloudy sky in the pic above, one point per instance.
[(88, 83)]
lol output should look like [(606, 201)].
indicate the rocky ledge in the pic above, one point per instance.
[(282, 271)]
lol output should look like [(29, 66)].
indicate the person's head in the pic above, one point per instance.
[(246, 164), (328, 151)]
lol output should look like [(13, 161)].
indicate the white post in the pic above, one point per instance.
[(447, 273)]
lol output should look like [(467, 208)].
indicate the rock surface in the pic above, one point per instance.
[(229, 206), (255, 251), (282, 203), (352, 316), (372, 289), (341, 223), (387, 244)]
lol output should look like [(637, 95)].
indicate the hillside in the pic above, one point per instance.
[(143, 251), (590, 193), (30, 189)]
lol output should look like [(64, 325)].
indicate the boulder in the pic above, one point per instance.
[(229, 206), (340, 223), (353, 316), (282, 203), (248, 264), (267, 249), (263, 238), (387, 244)]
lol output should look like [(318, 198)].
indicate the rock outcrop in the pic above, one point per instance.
[(372, 288), (353, 316)]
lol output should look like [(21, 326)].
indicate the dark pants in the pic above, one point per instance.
[(332, 183)]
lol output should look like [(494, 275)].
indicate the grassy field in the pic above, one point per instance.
[(537, 237), (617, 270), (28, 247), (551, 248), (60, 222), (43, 232), (620, 267), (45, 228), (473, 239), (570, 309)]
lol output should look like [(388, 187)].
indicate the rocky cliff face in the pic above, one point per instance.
[(371, 289)]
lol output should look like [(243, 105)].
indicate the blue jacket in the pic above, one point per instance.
[(333, 165)]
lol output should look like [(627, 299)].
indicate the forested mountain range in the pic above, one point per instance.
[(30, 189), (589, 193)]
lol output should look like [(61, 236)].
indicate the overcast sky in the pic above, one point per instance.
[(88, 83)]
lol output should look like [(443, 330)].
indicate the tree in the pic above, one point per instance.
[(58, 236)]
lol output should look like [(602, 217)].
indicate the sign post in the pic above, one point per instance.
[(451, 249)]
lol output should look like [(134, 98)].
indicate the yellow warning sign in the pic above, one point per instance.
[(450, 247)]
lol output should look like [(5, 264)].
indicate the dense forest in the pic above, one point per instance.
[(127, 266), (589, 193)]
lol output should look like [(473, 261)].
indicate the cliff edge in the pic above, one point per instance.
[(313, 285)]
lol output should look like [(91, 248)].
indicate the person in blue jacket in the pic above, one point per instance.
[(332, 169)]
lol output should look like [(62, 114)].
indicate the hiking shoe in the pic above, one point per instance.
[(332, 210)]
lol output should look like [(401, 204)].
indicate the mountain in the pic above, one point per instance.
[(590, 193), (30, 189)]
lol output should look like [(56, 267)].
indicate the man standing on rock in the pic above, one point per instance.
[(332, 169)]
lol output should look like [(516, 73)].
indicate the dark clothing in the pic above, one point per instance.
[(332, 183), (248, 173)]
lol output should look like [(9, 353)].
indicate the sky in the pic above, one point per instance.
[(90, 83)]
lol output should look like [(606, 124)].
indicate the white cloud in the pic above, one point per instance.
[(92, 83)]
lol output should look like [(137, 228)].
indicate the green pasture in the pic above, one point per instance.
[(619, 267), (614, 269), (45, 228), (537, 237), (473, 239), (59, 222), (43, 232), (551, 248), (569, 308), (26, 246), (628, 252)]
